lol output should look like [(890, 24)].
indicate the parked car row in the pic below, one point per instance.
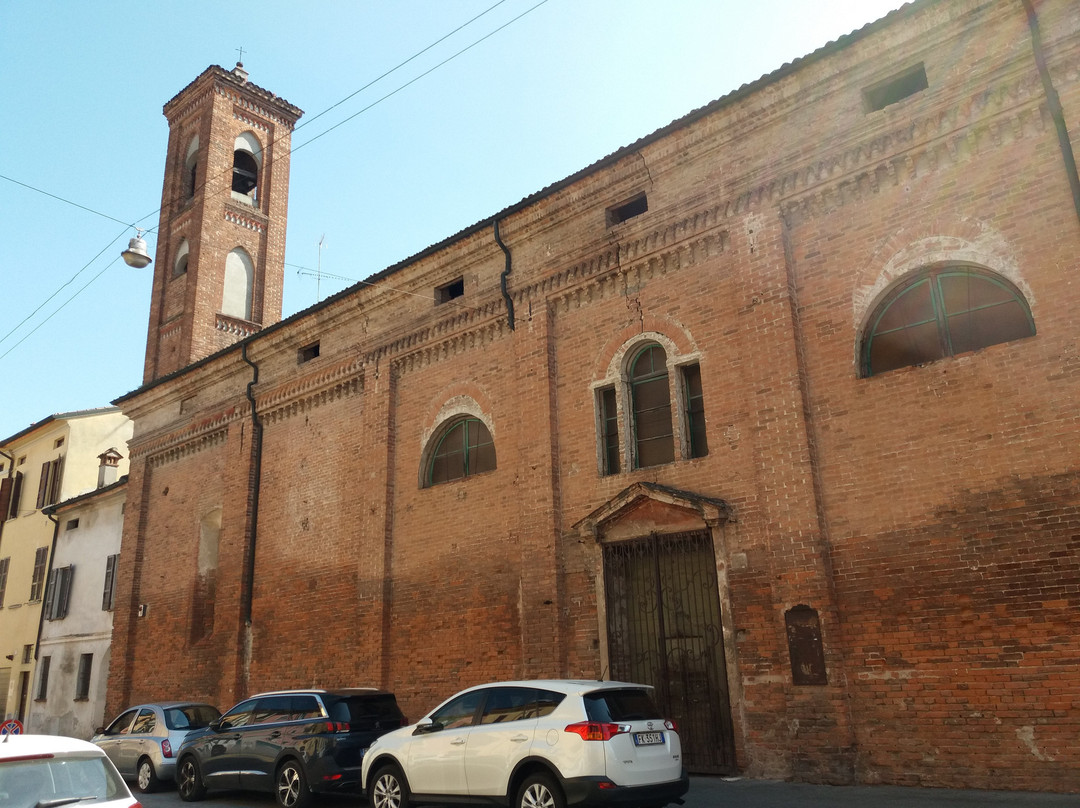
[(528, 744)]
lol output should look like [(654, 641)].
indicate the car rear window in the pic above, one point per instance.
[(83, 779), (193, 716), (365, 713), (613, 706)]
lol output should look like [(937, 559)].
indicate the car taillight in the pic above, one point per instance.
[(166, 748), (337, 726), (136, 804), (596, 730), (671, 725)]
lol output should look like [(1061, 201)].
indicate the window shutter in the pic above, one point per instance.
[(43, 484), (67, 575), (54, 482), (50, 590), (107, 596)]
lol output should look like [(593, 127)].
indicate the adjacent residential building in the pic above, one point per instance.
[(46, 463), (774, 409), (71, 674)]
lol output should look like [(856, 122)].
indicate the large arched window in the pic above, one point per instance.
[(239, 280), (654, 437), (191, 165), (247, 154), (941, 312), (462, 448)]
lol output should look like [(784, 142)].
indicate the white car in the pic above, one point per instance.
[(533, 744), (47, 771)]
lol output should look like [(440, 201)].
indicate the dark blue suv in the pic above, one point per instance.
[(293, 743)]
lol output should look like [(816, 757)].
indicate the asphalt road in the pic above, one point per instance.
[(715, 792)]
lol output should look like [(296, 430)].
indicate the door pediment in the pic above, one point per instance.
[(645, 508)]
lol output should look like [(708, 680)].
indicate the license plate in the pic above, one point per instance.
[(648, 738)]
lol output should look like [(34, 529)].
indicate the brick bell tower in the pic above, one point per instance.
[(220, 262)]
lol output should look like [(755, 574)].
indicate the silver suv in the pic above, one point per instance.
[(534, 744)]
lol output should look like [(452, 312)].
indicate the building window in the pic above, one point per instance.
[(191, 166), (72, 524), (180, 262), (650, 396), (58, 443), (247, 152), (82, 682), (450, 291), (27, 654), (307, 353), (609, 430), (58, 592), (108, 595), (627, 210), (4, 564), (16, 495), (49, 485), (694, 410), (463, 448), (43, 678), (37, 582), (895, 88), (942, 312)]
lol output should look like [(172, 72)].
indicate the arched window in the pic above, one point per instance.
[(247, 153), (180, 263), (191, 164), (463, 448), (239, 279), (654, 438), (941, 312)]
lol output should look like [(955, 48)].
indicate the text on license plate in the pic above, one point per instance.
[(648, 738)]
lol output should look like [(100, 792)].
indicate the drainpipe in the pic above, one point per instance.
[(1053, 103), (502, 278), (247, 585)]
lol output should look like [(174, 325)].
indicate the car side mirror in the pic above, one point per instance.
[(427, 727), (218, 725), (99, 730)]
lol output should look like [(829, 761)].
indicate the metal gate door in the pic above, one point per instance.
[(663, 620)]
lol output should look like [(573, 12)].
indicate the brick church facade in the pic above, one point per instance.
[(774, 409)]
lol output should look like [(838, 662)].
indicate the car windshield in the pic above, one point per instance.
[(191, 716), (613, 706), (367, 713), (44, 781)]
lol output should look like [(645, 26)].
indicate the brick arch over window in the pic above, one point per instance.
[(941, 311), (459, 444), (461, 447), (650, 406)]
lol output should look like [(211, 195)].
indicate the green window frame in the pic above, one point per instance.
[(464, 448), (941, 312)]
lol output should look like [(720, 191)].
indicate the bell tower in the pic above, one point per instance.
[(220, 262)]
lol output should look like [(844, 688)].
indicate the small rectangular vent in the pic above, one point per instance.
[(307, 353), (895, 88), (627, 210), (450, 291)]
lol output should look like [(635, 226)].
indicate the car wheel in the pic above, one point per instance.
[(389, 789), (189, 782), (291, 788), (539, 791), (146, 779)]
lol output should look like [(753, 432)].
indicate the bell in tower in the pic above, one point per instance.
[(220, 263)]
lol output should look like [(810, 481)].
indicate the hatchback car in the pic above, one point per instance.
[(142, 741), (536, 744), (47, 770), (292, 743)]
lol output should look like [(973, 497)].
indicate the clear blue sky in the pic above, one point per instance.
[(82, 85)]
